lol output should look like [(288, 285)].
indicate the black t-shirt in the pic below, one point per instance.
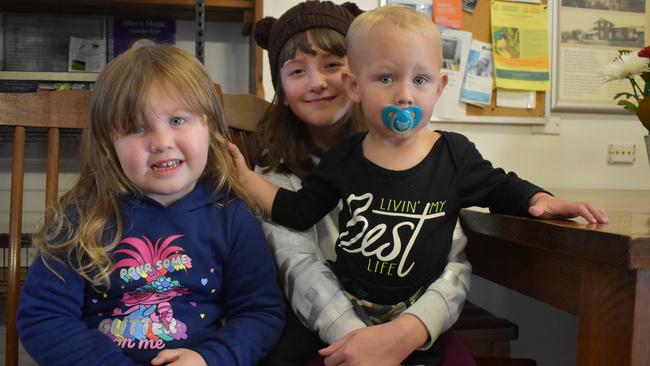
[(395, 228)]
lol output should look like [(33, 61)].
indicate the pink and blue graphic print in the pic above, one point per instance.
[(147, 319)]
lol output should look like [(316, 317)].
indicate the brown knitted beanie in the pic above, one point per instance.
[(271, 34)]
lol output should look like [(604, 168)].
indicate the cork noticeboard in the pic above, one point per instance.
[(479, 24)]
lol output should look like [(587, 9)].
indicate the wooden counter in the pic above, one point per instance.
[(599, 272)]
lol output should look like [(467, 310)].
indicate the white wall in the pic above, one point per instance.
[(577, 158), (226, 52)]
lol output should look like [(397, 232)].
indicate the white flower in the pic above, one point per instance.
[(624, 66)]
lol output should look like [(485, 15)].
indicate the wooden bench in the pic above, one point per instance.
[(485, 334)]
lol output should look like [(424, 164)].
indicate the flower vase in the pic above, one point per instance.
[(643, 113)]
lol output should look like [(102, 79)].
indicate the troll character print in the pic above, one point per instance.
[(147, 320)]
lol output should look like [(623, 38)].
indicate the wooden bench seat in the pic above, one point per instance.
[(485, 334)]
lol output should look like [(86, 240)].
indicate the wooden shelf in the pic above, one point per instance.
[(219, 10), (49, 76), (245, 12)]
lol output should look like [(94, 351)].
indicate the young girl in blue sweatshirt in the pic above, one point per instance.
[(151, 258)]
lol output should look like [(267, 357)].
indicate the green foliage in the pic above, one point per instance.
[(627, 105)]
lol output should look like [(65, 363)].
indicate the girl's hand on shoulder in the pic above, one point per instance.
[(178, 357), (545, 206)]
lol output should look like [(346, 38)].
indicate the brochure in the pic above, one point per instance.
[(455, 47), (478, 81), (448, 13), (520, 41), (86, 55)]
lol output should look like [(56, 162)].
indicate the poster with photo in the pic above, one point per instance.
[(588, 35)]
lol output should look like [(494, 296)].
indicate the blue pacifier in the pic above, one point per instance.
[(401, 120)]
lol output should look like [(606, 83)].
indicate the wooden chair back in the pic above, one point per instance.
[(69, 109), (53, 111), (243, 112)]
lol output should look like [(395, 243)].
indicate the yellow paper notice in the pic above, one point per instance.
[(520, 45)]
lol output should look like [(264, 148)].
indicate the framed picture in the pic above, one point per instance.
[(587, 35)]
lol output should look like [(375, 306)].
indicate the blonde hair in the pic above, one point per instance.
[(85, 226), (396, 15)]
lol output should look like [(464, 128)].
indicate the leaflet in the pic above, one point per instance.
[(86, 55), (455, 47), (478, 81), (520, 41), (448, 13)]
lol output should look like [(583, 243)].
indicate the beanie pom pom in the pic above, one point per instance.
[(263, 30), (352, 8)]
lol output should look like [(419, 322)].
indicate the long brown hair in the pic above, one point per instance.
[(85, 226), (289, 146)]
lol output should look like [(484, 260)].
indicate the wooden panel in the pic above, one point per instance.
[(259, 82), (52, 170), (526, 270), (46, 109), (641, 335), (221, 10), (606, 316), (15, 228), (476, 324), (564, 237)]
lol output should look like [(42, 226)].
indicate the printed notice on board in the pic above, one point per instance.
[(520, 45), (448, 13), (455, 48), (477, 81)]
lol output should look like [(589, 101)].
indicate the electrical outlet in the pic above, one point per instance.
[(551, 127), (621, 153)]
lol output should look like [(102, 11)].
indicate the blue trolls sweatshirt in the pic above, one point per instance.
[(196, 274)]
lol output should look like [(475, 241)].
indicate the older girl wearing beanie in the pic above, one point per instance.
[(311, 112)]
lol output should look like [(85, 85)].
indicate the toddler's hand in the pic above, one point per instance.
[(262, 191), (178, 357), (386, 344), (545, 206), (240, 162)]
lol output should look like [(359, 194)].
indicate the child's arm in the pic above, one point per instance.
[(49, 321), (253, 303), (299, 210), (480, 184), (543, 205)]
